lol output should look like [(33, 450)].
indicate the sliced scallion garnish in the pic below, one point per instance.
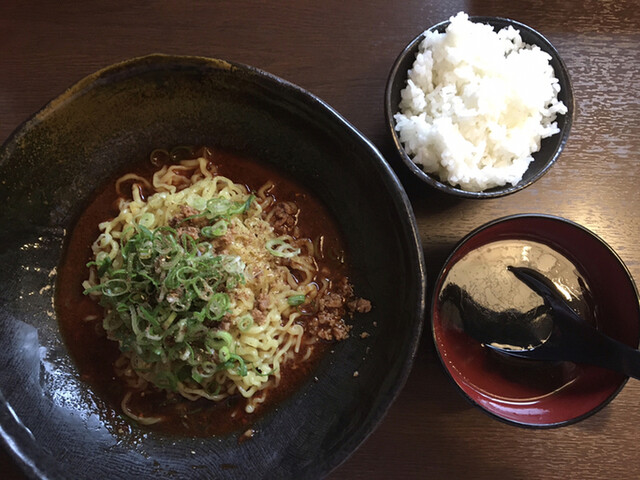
[(295, 300), (279, 247)]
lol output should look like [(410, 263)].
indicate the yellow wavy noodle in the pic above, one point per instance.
[(265, 346)]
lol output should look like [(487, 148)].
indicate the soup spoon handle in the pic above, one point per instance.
[(572, 338), (590, 346)]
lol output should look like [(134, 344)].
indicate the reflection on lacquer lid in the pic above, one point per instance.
[(478, 301)]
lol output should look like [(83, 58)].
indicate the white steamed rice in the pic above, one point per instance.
[(477, 104)]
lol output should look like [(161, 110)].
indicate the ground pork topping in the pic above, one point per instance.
[(333, 306), (284, 217)]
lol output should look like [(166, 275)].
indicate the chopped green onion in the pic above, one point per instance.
[(233, 359), (197, 376), (115, 287), (280, 248), (197, 202), (167, 323), (220, 207), (241, 364), (245, 322), (295, 300), (103, 262), (218, 229), (168, 294), (218, 306), (146, 220), (217, 339), (224, 354)]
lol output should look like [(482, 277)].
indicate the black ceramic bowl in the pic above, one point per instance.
[(52, 422), (532, 393), (550, 147)]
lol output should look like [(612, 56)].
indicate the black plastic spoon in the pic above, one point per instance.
[(570, 338)]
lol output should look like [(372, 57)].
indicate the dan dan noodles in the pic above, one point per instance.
[(211, 289)]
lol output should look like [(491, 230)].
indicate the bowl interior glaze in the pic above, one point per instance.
[(51, 421)]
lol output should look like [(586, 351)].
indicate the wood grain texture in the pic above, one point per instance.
[(342, 51)]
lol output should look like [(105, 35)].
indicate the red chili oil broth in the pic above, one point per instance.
[(95, 355)]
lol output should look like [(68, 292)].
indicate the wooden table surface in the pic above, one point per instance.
[(342, 51)]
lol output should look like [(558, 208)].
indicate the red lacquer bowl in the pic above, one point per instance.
[(533, 393)]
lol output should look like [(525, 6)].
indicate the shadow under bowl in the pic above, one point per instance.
[(550, 147), (530, 393)]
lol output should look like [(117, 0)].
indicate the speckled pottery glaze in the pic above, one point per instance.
[(50, 420)]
